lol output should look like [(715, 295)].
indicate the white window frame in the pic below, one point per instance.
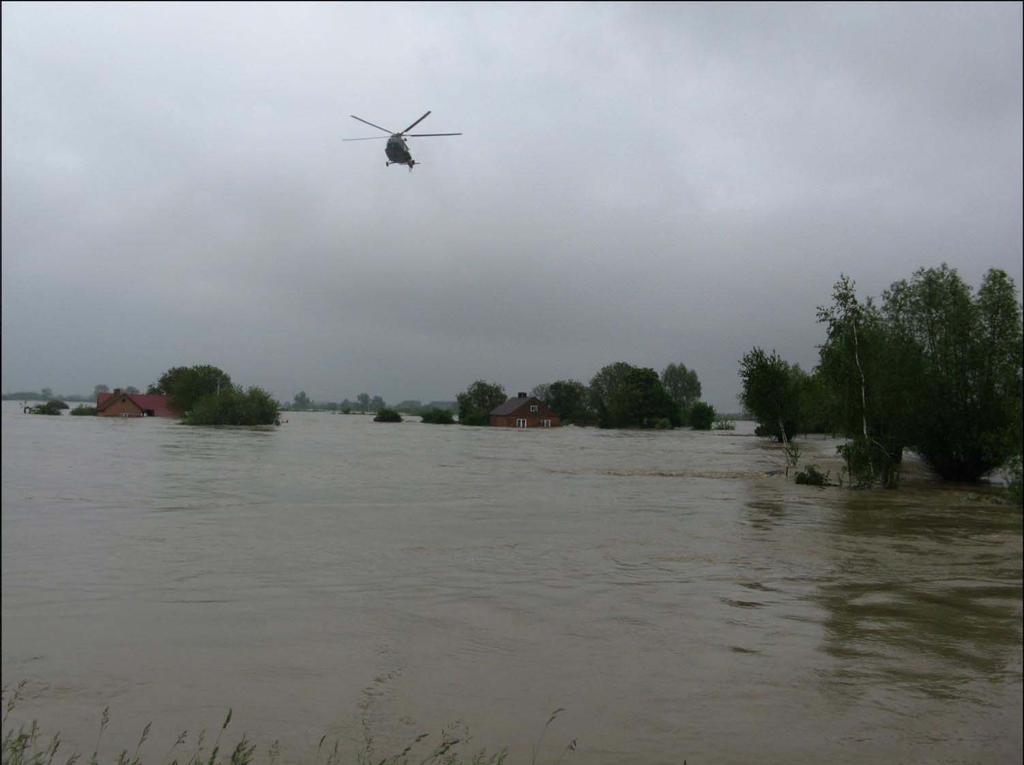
[(533, 409), (521, 423), (545, 423)]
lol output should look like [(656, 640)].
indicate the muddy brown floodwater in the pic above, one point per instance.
[(337, 576)]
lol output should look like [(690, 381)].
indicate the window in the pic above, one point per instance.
[(520, 422), (533, 409), (546, 423)]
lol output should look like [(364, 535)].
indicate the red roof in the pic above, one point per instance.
[(160, 405)]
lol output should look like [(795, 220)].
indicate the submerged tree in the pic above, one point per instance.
[(936, 369), (866, 367), (771, 393), (476, 403), (232, 405), (53, 406), (624, 396), (966, 395), (387, 415), (702, 416), (568, 399), (186, 385), (437, 416), (683, 386)]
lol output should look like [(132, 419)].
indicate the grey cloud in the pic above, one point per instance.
[(645, 182)]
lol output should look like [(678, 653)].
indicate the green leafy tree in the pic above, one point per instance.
[(868, 369), (817, 405), (301, 401), (186, 385), (232, 405), (683, 386), (625, 396), (364, 401), (966, 404), (702, 415), (541, 391), (570, 400), (98, 389), (387, 415), (377, 403), (771, 393), (603, 386), (476, 403)]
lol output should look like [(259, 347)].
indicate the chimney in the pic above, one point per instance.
[(521, 395)]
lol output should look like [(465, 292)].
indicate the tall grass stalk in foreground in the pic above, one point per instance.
[(23, 747)]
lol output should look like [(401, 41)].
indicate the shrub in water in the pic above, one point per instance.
[(233, 406), (702, 415), (52, 406), (387, 415), (1014, 470), (84, 411), (438, 416), (812, 477)]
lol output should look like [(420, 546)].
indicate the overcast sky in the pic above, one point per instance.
[(643, 183)]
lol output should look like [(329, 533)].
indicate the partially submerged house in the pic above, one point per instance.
[(121, 404), (524, 412)]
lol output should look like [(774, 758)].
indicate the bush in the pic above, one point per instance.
[(813, 477), (1014, 470), (723, 423), (233, 406), (387, 415), (84, 411), (702, 415), (53, 406), (868, 462), (437, 416)]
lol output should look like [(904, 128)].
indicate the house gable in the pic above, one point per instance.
[(524, 412), (120, 404)]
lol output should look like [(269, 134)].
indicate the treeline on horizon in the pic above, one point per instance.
[(619, 395), (364, 404), (932, 366)]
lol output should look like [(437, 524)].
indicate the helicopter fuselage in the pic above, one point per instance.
[(398, 151)]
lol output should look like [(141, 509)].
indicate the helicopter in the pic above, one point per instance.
[(397, 150)]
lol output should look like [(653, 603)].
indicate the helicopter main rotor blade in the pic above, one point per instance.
[(417, 122), (371, 138), (426, 135), (371, 124)]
